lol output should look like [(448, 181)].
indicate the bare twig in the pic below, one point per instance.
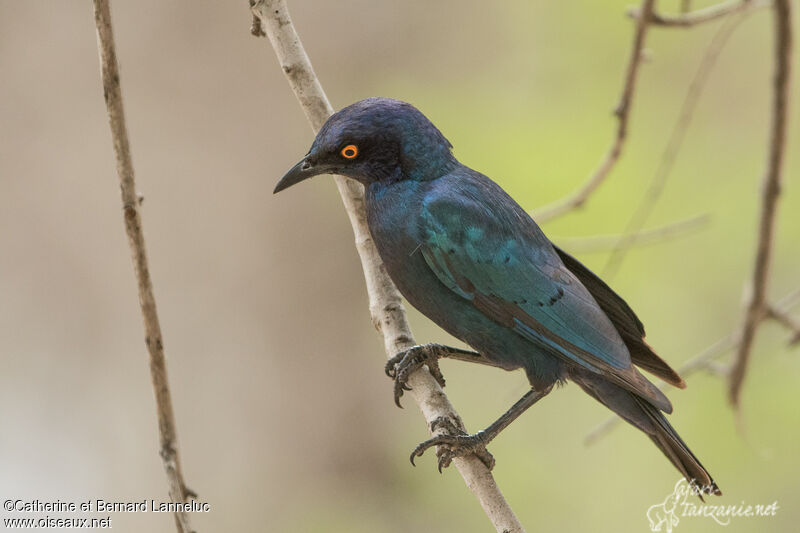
[(787, 321), (770, 192), (692, 18), (668, 158), (578, 198), (788, 302), (386, 309), (603, 243), (704, 361), (178, 491)]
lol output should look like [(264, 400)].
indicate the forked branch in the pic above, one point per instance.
[(623, 110), (658, 183), (770, 193), (707, 14)]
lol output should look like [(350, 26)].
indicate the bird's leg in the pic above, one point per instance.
[(455, 442), (405, 363)]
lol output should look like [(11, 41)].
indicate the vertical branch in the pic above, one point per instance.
[(386, 308), (770, 191), (133, 227), (622, 112)]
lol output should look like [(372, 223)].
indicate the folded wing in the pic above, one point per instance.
[(518, 280)]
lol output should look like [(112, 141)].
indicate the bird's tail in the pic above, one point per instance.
[(641, 414)]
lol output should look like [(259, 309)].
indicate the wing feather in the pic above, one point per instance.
[(520, 282)]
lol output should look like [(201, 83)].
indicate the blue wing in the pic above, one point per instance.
[(490, 252)]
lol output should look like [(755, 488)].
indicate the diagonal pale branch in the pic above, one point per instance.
[(578, 198), (770, 193), (386, 308), (706, 14), (706, 360), (178, 491), (603, 243), (787, 321)]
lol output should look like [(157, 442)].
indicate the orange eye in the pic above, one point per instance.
[(350, 151)]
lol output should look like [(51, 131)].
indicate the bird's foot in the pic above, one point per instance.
[(454, 442), (405, 363)]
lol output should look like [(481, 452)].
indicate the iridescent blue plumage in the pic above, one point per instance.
[(465, 254)]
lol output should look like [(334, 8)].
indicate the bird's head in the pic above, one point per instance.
[(375, 140)]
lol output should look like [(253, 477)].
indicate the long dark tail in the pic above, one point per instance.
[(641, 414)]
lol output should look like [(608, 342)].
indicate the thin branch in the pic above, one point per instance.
[(622, 112), (788, 302), (692, 18), (670, 155), (704, 361), (787, 321), (178, 491), (603, 243), (386, 309), (770, 192)]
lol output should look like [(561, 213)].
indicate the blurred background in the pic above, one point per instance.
[(285, 418)]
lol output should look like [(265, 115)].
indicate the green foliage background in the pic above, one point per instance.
[(286, 421)]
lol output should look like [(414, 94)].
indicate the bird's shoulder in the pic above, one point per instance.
[(472, 209)]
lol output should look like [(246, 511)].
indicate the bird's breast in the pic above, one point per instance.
[(392, 212)]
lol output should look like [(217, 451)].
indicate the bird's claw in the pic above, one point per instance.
[(401, 366), (455, 442)]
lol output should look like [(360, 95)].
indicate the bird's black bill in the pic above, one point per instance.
[(301, 171)]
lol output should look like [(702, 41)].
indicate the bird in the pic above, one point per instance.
[(465, 254)]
